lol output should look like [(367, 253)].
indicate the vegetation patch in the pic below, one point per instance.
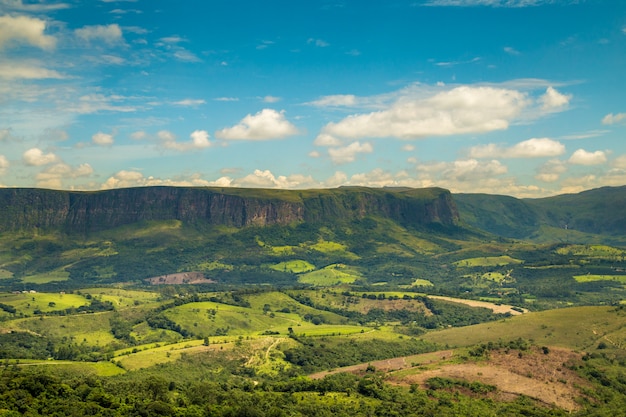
[(488, 261), (591, 278), (330, 275), (296, 266)]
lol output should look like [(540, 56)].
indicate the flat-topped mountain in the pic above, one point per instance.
[(85, 212)]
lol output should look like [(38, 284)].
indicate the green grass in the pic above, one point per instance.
[(4, 274), (122, 298), (45, 302), (93, 329), (590, 278), (422, 283), (329, 247), (330, 275), (46, 277), (592, 251), (578, 328), (488, 261), (296, 266)]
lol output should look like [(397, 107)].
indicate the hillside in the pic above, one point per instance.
[(592, 216)]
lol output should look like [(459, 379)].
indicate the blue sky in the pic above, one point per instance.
[(518, 97)]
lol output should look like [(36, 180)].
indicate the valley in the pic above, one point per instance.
[(350, 301)]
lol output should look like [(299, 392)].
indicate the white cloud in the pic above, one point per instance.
[(324, 139), (139, 135), (551, 171), (53, 176), (109, 34), (226, 99), (199, 140), (266, 124), (102, 139), (337, 100), (552, 99), (317, 42), (266, 179), (24, 29), (27, 71), (619, 162), (36, 157), (271, 99), (531, 148), (93, 103), (582, 157), (125, 179), (184, 55), (511, 51), (4, 164), (461, 110), (408, 148), (190, 102), (18, 5), (349, 153), (611, 118)]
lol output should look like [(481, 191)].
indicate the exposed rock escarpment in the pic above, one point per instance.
[(85, 212)]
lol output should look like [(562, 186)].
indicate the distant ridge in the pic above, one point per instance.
[(600, 211), (85, 212)]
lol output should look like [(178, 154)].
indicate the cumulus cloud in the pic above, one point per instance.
[(53, 176), (583, 157), (349, 153), (324, 139), (36, 157), (619, 162), (264, 125), (109, 34), (551, 171), (271, 99), (199, 140), (266, 179), (139, 135), (611, 118), (125, 179), (552, 99), (24, 30), (463, 109), (531, 148), (102, 139)]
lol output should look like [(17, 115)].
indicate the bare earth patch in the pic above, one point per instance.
[(180, 278), (498, 309), (543, 377)]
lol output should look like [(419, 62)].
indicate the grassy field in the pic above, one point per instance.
[(592, 251), (488, 261), (92, 329), (295, 266), (578, 328), (330, 275), (590, 278), (27, 303)]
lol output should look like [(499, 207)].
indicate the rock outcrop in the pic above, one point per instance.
[(87, 212)]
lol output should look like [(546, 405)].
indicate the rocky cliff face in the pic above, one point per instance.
[(85, 212)]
